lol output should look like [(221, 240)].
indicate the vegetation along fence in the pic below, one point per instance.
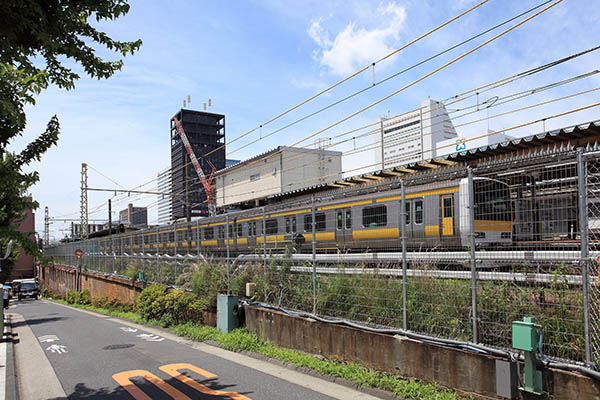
[(456, 252)]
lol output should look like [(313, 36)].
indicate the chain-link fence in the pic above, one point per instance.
[(454, 252)]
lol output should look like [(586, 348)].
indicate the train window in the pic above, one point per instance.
[(308, 223), (230, 231), (287, 225), (340, 220), (447, 204), (209, 233), (418, 211), (271, 225), (254, 228), (407, 213), (320, 222), (240, 231), (348, 219), (221, 232), (374, 216), (294, 224)]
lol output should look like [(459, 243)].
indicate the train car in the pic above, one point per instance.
[(436, 217)]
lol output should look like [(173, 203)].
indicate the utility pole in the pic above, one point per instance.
[(84, 231), (109, 217), (46, 226)]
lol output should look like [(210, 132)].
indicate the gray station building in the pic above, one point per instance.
[(279, 170)]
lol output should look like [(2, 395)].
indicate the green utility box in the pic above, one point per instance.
[(226, 320), (525, 334)]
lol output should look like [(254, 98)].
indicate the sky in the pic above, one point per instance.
[(257, 59)]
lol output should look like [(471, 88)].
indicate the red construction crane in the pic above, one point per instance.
[(207, 183)]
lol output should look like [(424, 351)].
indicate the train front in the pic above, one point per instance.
[(493, 214)]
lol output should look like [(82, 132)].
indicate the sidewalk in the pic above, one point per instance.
[(8, 382)]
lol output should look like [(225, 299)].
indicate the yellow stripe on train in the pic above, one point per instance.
[(375, 233)]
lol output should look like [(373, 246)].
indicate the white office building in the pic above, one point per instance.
[(413, 136), (165, 214)]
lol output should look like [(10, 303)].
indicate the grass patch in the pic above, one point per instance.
[(242, 340)]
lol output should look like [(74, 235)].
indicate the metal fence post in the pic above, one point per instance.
[(583, 219), (403, 238), (314, 254), (227, 246), (264, 232), (472, 253)]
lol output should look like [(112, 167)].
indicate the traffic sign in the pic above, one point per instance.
[(78, 253)]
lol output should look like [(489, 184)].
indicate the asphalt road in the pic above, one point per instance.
[(98, 357)]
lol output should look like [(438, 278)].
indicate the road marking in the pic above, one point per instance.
[(124, 379), (173, 370), (58, 349), (128, 329), (150, 337), (48, 338)]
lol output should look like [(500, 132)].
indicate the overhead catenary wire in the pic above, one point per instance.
[(352, 75), (354, 94), (426, 75)]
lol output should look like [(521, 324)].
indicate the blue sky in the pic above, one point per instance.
[(255, 59)]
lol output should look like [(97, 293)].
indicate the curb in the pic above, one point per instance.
[(11, 378)]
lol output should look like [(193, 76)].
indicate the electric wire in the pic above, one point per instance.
[(351, 76)]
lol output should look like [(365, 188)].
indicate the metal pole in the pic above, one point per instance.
[(472, 253), (403, 236), (264, 232), (583, 218), (175, 239), (198, 237), (227, 246), (314, 254)]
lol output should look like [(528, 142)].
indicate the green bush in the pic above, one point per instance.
[(100, 302), (149, 302), (84, 297), (75, 297), (170, 307), (71, 297)]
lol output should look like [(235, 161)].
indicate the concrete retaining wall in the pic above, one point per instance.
[(461, 370)]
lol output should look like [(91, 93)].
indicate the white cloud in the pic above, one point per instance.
[(354, 47)]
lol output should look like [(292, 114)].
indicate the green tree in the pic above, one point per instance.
[(38, 39)]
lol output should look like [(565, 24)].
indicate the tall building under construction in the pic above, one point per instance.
[(205, 132)]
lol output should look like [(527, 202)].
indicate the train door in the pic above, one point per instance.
[(409, 220), (447, 215), (343, 226)]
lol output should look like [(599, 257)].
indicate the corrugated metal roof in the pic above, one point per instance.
[(561, 137)]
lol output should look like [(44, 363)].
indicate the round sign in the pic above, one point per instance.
[(78, 253)]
